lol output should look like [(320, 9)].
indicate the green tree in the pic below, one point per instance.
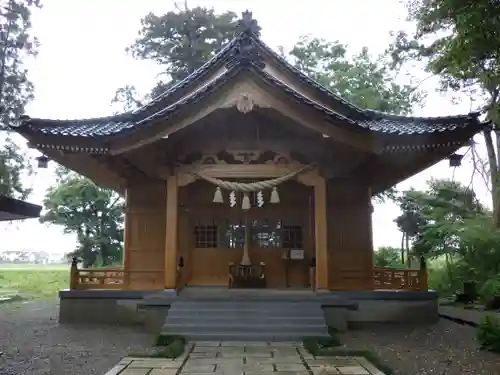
[(95, 214), (387, 256), (16, 44), (460, 42), (180, 41), (448, 221), (364, 80)]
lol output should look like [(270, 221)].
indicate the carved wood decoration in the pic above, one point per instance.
[(242, 164)]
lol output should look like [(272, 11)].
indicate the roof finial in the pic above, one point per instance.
[(247, 25)]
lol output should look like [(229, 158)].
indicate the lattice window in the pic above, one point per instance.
[(205, 236), (292, 237)]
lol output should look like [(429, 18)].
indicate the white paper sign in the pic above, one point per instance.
[(297, 254)]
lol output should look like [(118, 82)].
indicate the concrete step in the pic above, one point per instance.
[(246, 305), (227, 318), (302, 330), (245, 320), (257, 314), (238, 336)]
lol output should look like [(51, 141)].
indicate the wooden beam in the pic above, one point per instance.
[(171, 240), (382, 174), (320, 234), (88, 166), (365, 140), (126, 240)]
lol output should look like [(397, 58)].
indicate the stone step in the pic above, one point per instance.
[(234, 319), (245, 320), (302, 330), (238, 336), (244, 303), (248, 305), (178, 312)]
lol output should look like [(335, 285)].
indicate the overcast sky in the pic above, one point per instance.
[(82, 61)]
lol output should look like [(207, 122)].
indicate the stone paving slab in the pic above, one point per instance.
[(245, 358)]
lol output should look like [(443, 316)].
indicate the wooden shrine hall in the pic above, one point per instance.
[(248, 173)]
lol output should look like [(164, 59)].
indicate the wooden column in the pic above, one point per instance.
[(320, 233), (126, 242), (171, 232)]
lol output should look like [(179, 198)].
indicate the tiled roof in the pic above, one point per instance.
[(245, 51), (406, 125)]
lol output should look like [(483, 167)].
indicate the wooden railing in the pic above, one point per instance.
[(117, 278), (399, 279), (112, 278)]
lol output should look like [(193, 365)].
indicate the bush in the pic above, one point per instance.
[(490, 290), (320, 345), (174, 350), (166, 340), (169, 346), (488, 333)]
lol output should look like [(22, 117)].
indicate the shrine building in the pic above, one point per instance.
[(249, 174)]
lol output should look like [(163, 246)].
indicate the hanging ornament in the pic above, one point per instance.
[(275, 198), (245, 204), (260, 198), (232, 199), (218, 198)]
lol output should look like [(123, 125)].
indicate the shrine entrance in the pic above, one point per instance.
[(255, 239)]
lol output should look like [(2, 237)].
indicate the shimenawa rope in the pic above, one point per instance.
[(248, 187)]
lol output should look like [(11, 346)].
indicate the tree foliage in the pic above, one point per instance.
[(448, 222), (16, 44), (93, 213), (387, 256), (366, 81), (460, 42), (180, 41)]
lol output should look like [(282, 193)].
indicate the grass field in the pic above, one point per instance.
[(33, 281)]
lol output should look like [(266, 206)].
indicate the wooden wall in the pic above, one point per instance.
[(145, 235), (350, 242), (350, 249), (209, 266)]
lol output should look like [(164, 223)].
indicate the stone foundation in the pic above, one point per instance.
[(341, 309), (383, 307), (100, 306)]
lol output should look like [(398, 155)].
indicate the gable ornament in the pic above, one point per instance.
[(245, 103)]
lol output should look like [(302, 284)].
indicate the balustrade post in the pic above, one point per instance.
[(73, 274)]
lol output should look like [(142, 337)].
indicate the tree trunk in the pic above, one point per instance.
[(403, 248), (449, 271), (407, 246), (494, 174)]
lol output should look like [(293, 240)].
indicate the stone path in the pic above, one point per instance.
[(245, 358)]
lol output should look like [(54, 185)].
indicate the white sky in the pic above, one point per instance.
[(82, 61)]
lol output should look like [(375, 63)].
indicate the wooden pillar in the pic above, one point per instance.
[(171, 233), (73, 274), (126, 242), (320, 233), (370, 283)]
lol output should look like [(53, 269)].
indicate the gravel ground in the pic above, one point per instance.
[(446, 348), (33, 343)]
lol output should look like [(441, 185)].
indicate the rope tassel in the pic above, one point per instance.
[(275, 198), (218, 198), (245, 203)]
